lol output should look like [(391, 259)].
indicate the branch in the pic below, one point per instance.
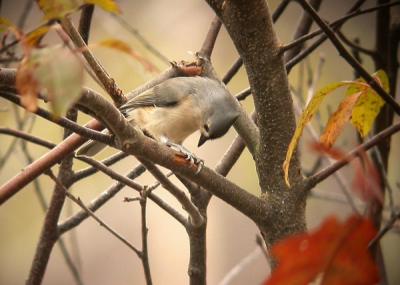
[(349, 58), (353, 12), (303, 28), (325, 173), (90, 213), (145, 251), (63, 122), (195, 217), (140, 38), (384, 229), (239, 62), (108, 83), (84, 173), (209, 42), (85, 22), (27, 137)]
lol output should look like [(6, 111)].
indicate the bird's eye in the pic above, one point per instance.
[(206, 128)]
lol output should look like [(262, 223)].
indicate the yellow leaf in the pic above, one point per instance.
[(338, 119), (4, 24), (107, 5), (369, 105), (33, 37), (56, 9), (305, 118)]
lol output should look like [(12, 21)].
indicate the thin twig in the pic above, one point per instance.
[(140, 38), (145, 251), (209, 42), (240, 266), (64, 122), (79, 202), (354, 12), (355, 46), (196, 218), (394, 217), (84, 173)]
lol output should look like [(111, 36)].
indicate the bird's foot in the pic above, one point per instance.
[(189, 156)]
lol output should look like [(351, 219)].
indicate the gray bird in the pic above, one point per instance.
[(176, 108)]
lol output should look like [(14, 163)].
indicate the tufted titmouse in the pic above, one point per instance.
[(176, 108)]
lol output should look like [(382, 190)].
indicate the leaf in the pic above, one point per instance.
[(32, 39), (336, 252), (5, 24), (107, 5), (27, 85), (54, 71), (338, 120), (57, 9), (366, 180), (60, 73), (307, 115), (369, 105), (125, 48)]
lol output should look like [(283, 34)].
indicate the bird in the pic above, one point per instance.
[(176, 108)]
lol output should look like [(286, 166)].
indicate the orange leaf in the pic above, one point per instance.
[(125, 48), (337, 251), (338, 120), (27, 85)]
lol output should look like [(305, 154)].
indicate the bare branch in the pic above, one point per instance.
[(90, 213), (195, 217), (209, 42), (145, 251)]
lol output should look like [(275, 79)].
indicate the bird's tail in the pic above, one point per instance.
[(91, 148)]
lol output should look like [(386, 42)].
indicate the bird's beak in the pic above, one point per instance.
[(202, 140)]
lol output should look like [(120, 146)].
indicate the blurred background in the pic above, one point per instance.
[(177, 29)]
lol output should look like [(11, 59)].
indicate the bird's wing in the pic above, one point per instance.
[(168, 93)]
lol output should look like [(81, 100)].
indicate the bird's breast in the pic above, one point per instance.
[(175, 123)]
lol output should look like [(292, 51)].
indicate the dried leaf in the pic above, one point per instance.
[(307, 115), (369, 104), (125, 48), (338, 120), (337, 251)]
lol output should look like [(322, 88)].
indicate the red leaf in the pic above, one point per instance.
[(366, 181), (336, 252)]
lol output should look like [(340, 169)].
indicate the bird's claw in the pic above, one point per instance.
[(189, 156)]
